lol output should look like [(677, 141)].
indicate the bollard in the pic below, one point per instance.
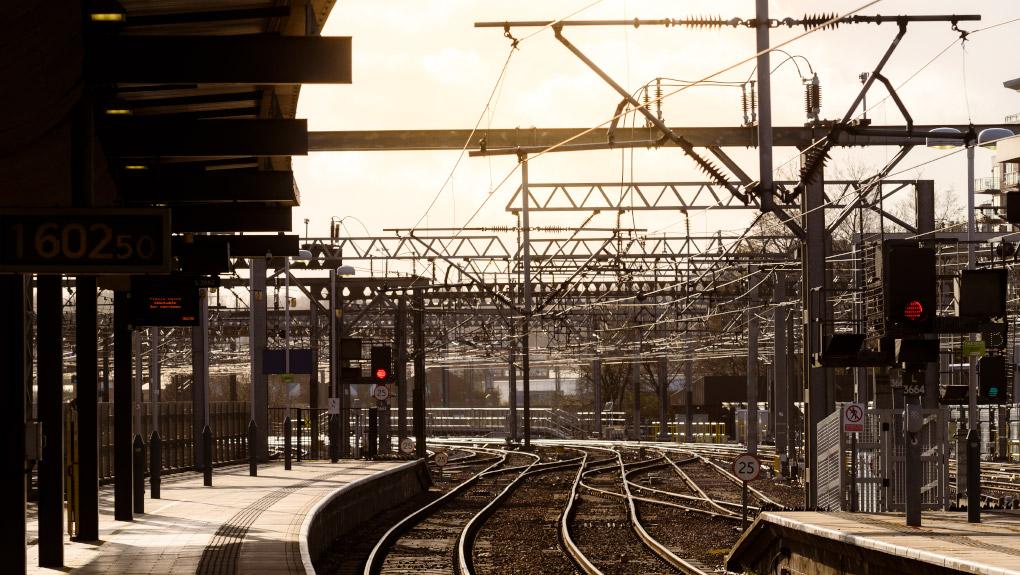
[(973, 476), (300, 426), (155, 463), (207, 452), (286, 444), (253, 458), (373, 432), (334, 433), (138, 456)]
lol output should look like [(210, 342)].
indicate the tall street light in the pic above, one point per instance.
[(951, 138)]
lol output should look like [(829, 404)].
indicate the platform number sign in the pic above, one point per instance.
[(94, 241), (746, 467), (853, 418)]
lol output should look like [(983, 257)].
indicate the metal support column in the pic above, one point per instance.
[(780, 370), (155, 388), (313, 380), (420, 379), (122, 485), (259, 390), (596, 383), (512, 390), (751, 421), (334, 368), (526, 329), (200, 379), (13, 482), (689, 395), (50, 342), (663, 398), (400, 370), (87, 395), (764, 105), (817, 403), (635, 381)]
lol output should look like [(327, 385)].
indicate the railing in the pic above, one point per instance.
[(228, 421)]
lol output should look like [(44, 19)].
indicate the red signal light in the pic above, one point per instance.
[(913, 311), (380, 374)]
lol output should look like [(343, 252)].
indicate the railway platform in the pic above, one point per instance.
[(864, 543), (271, 524)]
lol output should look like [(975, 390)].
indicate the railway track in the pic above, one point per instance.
[(610, 509), (427, 540)]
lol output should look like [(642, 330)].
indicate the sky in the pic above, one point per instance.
[(423, 65)]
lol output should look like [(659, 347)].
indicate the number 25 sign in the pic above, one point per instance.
[(94, 241)]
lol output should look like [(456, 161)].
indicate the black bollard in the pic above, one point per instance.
[(334, 433), (300, 425), (286, 444), (973, 476), (253, 458), (373, 432), (138, 458), (155, 463), (207, 451)]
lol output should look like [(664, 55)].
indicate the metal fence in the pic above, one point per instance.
[(875, 467), (228, 422)]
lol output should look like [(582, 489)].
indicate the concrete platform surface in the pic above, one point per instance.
[(241, 524), (944, 541)]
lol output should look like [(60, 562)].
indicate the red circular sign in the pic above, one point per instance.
[(913, 311), (380, 373)]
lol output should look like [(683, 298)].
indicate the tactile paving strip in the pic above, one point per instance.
[(220, 556)]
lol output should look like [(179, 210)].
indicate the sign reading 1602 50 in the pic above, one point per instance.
[(93, 241)]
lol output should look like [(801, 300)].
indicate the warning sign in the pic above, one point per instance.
[(853, 418)]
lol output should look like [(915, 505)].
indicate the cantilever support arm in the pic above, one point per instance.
[(749, 185), (679, 140)]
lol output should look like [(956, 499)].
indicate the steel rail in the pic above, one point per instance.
[(466, 540), (376, 559)]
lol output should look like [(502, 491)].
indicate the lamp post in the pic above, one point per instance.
[(951, 138), (335, 361)]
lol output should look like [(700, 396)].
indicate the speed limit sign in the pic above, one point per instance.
[(442, 459), (381, 393), (746, 467)]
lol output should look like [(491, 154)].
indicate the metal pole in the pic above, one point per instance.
[(525, 337), (122, 504), (781, 373), (817, 403), (635, 377), (689, 395), (286, 330), (512, 390), (973, 456), (420, 379), (764, 105), (596, 376), (334, 370), (258, 391), (200, 379), (751, 421), (400, 334), (136, 345), (50, 399), (13, 479), (663, 399), (87, 350), (154, 376)]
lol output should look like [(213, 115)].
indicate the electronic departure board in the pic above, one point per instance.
[(164, 301), (93, 241)]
